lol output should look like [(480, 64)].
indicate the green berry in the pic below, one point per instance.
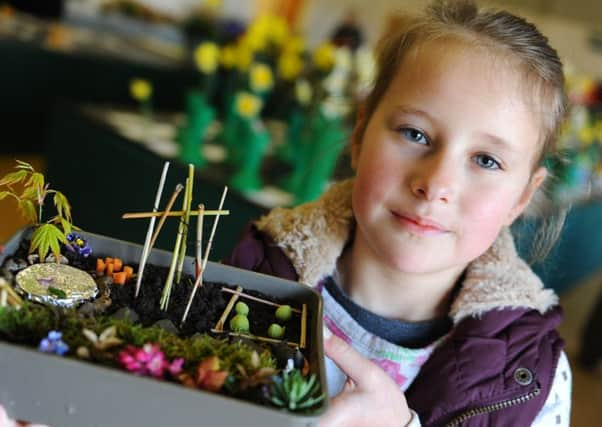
[(241, 308), (275, 331), (239, 323), (284, 313)]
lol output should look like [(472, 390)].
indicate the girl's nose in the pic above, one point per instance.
[(434, 179)]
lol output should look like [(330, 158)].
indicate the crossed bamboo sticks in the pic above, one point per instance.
[(179, 252)]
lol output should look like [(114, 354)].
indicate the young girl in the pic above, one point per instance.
[(431, 317)]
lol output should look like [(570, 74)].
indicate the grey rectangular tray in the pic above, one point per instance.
[(65, 392)]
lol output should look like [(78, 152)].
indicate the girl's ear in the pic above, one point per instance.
[(356, 136), (538, 177)]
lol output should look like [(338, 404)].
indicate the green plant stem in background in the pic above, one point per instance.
[(199, 116), (327, 143), (146, 109), (255, 141)]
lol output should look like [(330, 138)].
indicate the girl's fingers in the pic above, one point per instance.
[(359, 369)]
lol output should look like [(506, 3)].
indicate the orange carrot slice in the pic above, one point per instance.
[(109, 270), (108, 260), (129, 271), (100, 266), (118, 264), (119, 278)]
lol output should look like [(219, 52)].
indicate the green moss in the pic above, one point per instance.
[(33, 322)]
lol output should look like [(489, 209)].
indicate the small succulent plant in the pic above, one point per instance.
[(294, 392)]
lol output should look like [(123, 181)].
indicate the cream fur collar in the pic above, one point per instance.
[(313, 236)]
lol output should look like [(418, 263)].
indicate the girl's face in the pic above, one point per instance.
[(446, 160)]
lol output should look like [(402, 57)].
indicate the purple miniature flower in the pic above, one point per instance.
[(54, 343), (79, 244)]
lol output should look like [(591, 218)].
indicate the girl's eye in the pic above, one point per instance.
[(414, 135), (487, 162)]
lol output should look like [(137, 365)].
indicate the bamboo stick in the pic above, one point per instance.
[(213, 228), (3, 297), (172, 200), (182, 253), (11, 292), (11, 297), (139, 215), (247, 296), (149, 231), (256, 337), (199, 241), (303, 338), (219, 326), (174, 259), (198, 263)]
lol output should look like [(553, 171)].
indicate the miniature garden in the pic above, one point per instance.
[(62, 297)]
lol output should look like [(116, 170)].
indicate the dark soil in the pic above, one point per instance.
[(208, 305)]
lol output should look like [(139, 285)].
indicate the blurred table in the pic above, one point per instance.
[(95, 67)]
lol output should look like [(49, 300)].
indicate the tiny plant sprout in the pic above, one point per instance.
[(275, 331), (239, 323), (284, 313), (241, 308)]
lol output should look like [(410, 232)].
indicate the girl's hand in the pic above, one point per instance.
[(369, 398)]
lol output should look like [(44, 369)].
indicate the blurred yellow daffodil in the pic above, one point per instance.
[(244, 56), (260, 78), (587, 135), (303, 92), (324, 56), (598, 132), (228, 56), (213, 4), (140, 89), (247, 104), (206, 57), (257, 34), (289, 66), (294, 44), (277, 29)]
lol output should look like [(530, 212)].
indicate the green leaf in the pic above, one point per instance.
[(45, 237), (14, 177), (28, 210), (36, 180), (5, 194), (57, 292), (30, 193), (55, 247), (67, 227), (24, 165), (62, 205)]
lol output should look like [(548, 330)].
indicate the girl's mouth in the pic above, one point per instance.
[(419, 225)]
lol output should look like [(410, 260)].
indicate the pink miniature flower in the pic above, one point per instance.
[(176, 366), (148, 361)]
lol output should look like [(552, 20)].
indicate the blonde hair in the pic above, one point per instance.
[(502, 34)]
